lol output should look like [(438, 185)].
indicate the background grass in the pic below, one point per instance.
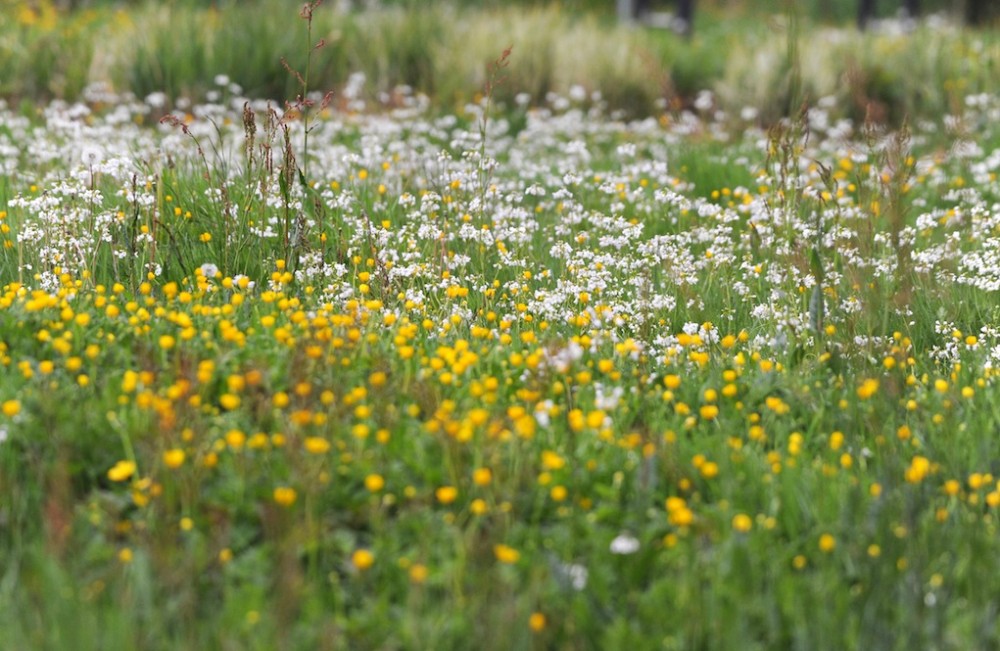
[(738, 51)]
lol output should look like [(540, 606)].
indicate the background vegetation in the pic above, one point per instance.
[(742, 52)]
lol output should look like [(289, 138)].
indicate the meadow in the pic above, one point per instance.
[(522, 368)]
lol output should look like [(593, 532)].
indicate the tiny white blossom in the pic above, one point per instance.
[(624, 544)]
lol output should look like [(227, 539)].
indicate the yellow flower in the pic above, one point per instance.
[(482, 476), (552, 461), (362, 559), (506, 554), (229, 401), (235, 439), (827, 543), (742, 522), (11, 408), (536, 622), (418, 573), (446, 494), (674, 504), (919, 468), (285, 496), (681, 517), (868, 388), (374, 483), (121, 470), (316, 445), (173, 458)]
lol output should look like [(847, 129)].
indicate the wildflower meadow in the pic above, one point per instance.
[(366, 370)]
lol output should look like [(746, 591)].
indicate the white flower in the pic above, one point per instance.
[(624, 544), (91, 155), (704, 100), (577, 575), (156, 100), (605, 400), (542, 413)]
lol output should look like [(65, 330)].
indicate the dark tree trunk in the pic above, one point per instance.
[(912, 8), (975, 12), (866, 8), (685, 13)]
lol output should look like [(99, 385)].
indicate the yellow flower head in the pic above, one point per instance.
[(316, 445), (121, 470), (742, 522), (11, 408), (284, 496), (446, 494), (506, 554), (362, 559), (173, 458), (374, 483), (868, 388)]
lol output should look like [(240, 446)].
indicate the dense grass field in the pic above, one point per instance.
[(370, 371)]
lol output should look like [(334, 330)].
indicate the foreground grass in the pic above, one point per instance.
[(549, 381)]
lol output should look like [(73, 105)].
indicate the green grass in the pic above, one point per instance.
[(367, 393), (578, 383)]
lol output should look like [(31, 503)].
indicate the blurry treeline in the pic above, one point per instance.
[(819, 10)]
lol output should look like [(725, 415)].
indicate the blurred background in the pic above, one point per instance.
[(772, 55), (833, 11)]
